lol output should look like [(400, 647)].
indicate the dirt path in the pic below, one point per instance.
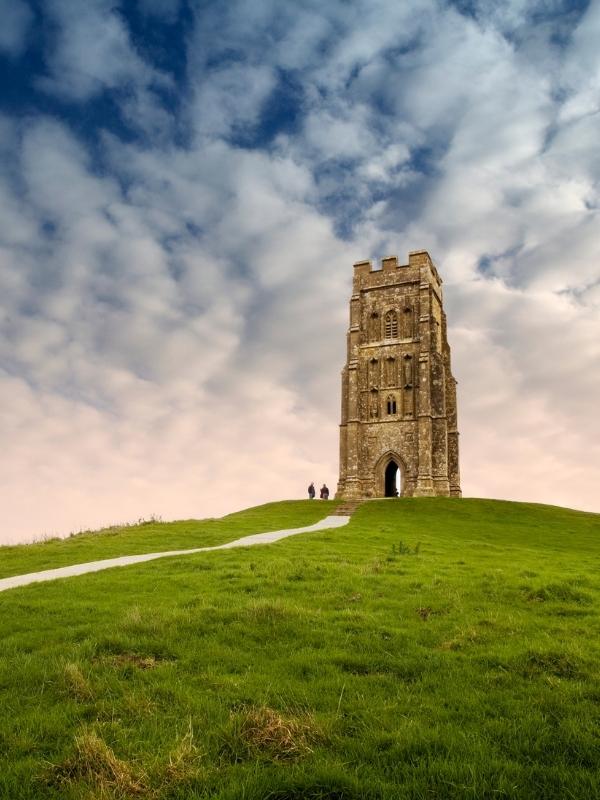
[(123, 561)]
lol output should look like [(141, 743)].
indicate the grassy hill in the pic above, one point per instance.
[(431, 649), (152, 536)]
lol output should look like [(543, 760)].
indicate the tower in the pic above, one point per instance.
[(398, 433)]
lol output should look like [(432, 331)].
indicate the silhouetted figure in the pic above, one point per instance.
[(324, 492), (311, 491)]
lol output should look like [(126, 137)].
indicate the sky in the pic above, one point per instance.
[(184, 187)]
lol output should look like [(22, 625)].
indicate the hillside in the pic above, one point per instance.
[(153, 536), (430, 649)]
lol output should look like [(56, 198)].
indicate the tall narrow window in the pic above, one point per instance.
[(391, 404), (391, 325)]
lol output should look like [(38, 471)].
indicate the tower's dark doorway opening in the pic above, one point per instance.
[(392, 480)]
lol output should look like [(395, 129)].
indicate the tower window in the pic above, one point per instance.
[(391, 405), (391, 325)]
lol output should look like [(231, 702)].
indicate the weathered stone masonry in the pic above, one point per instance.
[(398, 393)]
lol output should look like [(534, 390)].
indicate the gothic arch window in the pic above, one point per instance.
[(391, 325), (391, 405)]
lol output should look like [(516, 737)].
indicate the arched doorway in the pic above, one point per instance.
[(393, 483)]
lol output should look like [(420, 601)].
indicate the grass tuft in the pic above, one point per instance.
[(558, 592), (184, 764), (94, 763), (267, 612), (559, 664), (76, 684), (262, 731), (126, 660)]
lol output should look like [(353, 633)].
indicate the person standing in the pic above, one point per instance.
[(311, 491), (324, 492)]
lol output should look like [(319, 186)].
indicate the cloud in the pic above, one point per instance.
[(16, 19), (520, 355), (152, 343), (90, 54), (90, 51), (169, 452), (230, 98), (173, 294)]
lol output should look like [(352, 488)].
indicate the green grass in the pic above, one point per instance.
[(430, 649), (153, 536)]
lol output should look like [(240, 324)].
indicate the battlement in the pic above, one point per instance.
[(417, 259)]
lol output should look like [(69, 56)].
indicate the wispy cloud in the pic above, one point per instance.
[(176, 244)]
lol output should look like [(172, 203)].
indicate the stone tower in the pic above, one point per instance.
[(398, 433)]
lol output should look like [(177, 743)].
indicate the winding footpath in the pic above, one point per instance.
[(123, 561)]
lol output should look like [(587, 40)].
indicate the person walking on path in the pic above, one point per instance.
[(324, 492), (311, 491)]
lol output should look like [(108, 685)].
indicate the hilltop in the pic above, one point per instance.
[(432, 648)]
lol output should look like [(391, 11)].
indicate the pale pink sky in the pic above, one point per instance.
[(174, 280)]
